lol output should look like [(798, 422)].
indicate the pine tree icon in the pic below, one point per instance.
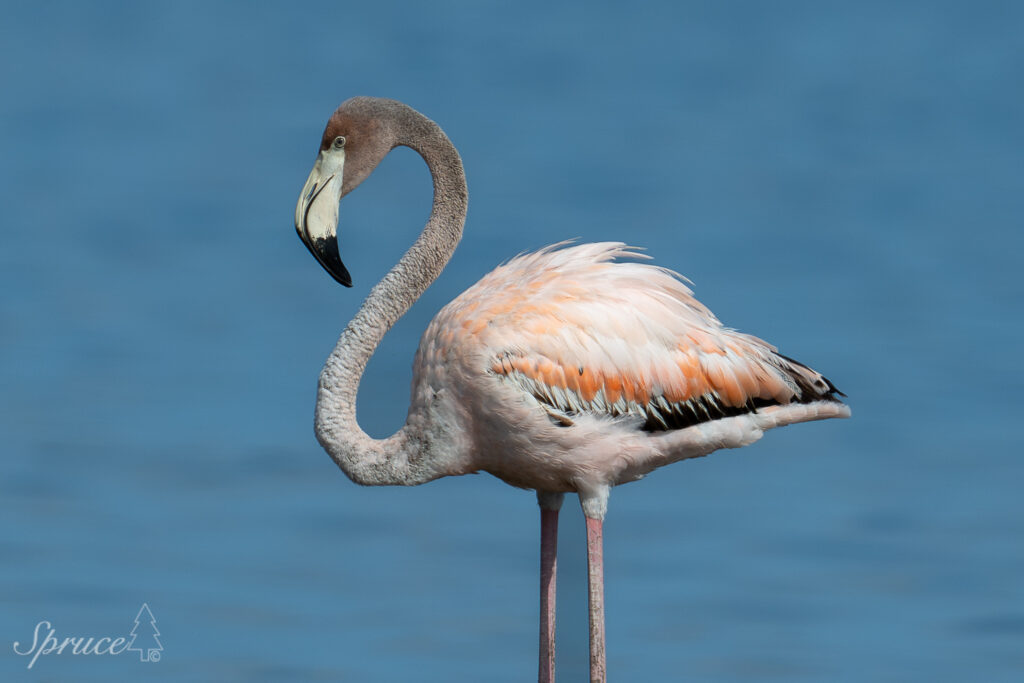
[(146, 654)]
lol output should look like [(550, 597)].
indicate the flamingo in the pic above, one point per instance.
[(569, 370)]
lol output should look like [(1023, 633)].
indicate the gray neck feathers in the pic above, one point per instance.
[(404, 457)]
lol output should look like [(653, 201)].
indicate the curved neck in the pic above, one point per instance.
[(402, 458)]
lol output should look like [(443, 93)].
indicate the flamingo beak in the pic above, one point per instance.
[(316, 213)]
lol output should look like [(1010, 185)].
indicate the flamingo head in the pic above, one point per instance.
[(358, 136)]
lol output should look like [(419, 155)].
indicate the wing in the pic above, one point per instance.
[(585, 334)]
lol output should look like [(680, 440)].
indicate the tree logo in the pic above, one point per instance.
[(148, 646)]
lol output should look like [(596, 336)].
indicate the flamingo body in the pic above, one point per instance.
[(568, 371)]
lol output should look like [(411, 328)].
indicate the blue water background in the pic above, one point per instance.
[(842, 179)]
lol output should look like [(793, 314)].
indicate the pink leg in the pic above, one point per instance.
[(595, 565), (549, 506)]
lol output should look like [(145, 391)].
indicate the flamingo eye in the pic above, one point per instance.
[(339, 142)]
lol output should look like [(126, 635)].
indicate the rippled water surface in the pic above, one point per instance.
[(845, 182)]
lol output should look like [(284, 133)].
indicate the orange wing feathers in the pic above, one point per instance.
[(584, 333)]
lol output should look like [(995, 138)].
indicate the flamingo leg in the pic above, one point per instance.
[(595, 576), (549, 506)]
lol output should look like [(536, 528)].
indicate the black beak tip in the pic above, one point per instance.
[(343, 277), (326, 252), (327, 255)]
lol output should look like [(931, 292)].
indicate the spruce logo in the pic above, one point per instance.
[(148, 646), (142, 638)]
